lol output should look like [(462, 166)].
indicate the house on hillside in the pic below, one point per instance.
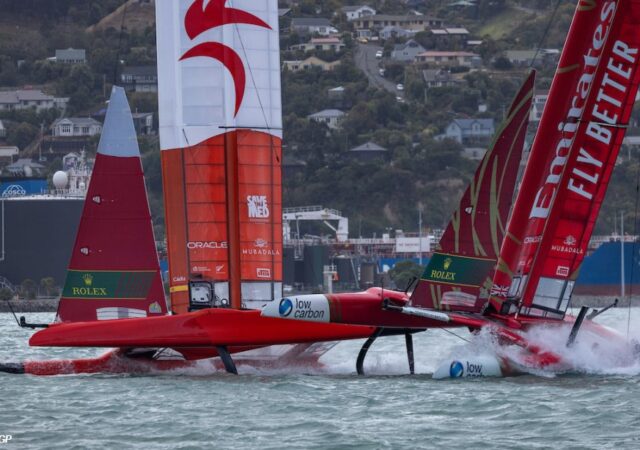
[(467, 131), (71, 56), (448, 59), (330, 117), (143, 123), (392, 31), (332, 43), (29, 98), (535, 58), (76, 127), (140, 78), (369, 152), (308, 63), (355, 12), (439, 78), (313, 25), (407, 52), (408, 22), (537, 105)]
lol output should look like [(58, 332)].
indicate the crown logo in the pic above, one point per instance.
[(88, 279), (447, 263)]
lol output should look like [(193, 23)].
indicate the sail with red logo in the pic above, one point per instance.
[(220, 138), (459, 274), (564, 203), (114, 271)]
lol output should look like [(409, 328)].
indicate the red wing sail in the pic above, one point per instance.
[(220, 136), (566, 210), (458, 276), (114, 271)]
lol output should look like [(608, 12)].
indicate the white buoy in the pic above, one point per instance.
[(60, 179), (479, 366)]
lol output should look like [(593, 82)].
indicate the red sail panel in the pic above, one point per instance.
[(260, 214), (559, 120), (114, 267), (198, 220), (606, 100), (458, 276), (196, 217)]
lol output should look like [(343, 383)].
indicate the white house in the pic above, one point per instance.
[(332, 117), (537, 105), (29, 98), (331, 43), (355, 12), (407, 52), (71, 56), (76, 127), (470, 130), (313, 25)]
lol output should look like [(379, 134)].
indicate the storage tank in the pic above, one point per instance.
[(315, 258), (367, 274)]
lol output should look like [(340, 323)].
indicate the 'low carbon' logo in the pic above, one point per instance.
[(456, 370), (286, 306)]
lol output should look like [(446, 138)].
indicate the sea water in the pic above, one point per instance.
[(331, 407)]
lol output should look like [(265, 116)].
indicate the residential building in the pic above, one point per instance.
[(308, 63), (391, 31), (143, 123), (7, 152), (71, 56), (470, 130), (407, 22), (330, 117), (369, 152), (439, 78), (322, 44), (537, 105), (407, 52), (314, 25), (356, 12), (450, 34), (76, 127), (29, 98), (439, 58), (140, 78), (336, 93)]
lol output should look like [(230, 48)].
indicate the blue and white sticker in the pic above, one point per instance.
[(313, 308)]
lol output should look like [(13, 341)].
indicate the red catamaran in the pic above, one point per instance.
[(222, 203), (563, 186)]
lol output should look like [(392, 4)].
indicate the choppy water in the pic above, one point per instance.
[(332, 408)]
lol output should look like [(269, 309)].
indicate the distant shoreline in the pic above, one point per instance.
[(51, 304)]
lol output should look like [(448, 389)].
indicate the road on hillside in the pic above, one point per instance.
[(365, 59)]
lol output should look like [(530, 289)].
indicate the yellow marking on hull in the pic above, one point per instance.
[(180, 288)]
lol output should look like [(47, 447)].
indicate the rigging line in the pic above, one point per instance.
[(546, 32), (456, 335), (244, 51), (633, 247), (117, 61)]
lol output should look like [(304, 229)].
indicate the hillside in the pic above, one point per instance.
[(419, 171)]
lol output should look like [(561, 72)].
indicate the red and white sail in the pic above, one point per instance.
[(459, 274), (220, 136), (573, 155), (114, 271)]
